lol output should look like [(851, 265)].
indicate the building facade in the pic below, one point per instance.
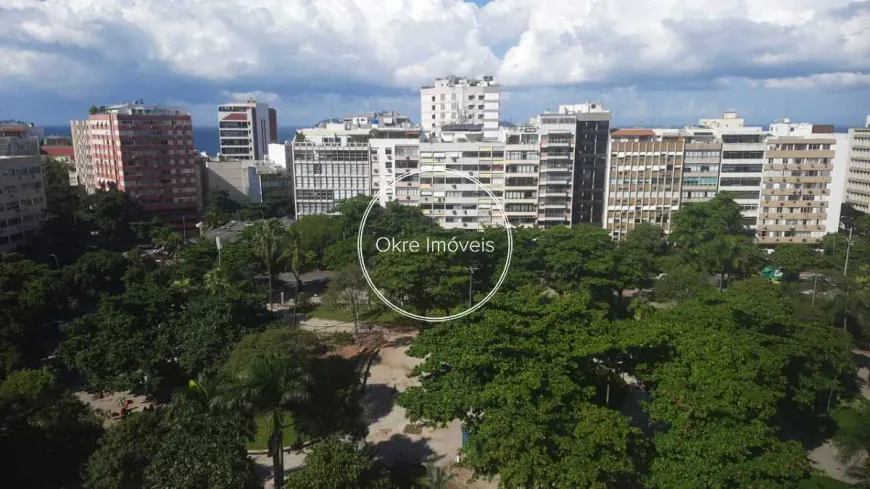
[(22, 199), (645, 178), (795, 205), (246, 129), (145, 150), (19, 138), (858, 180), (458, 100), (592, 137)]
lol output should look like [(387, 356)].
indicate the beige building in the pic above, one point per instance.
[(796, 184), (858, 183), (645, 176), (458, 100), (22, 199)]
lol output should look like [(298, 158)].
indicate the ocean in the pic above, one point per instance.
[(204, 138)]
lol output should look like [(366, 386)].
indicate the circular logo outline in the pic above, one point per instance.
[(451, 317)]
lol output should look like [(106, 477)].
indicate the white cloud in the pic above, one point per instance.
[(818, 80), (401, 43), (258, 95)]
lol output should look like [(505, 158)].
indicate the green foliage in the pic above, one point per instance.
[(852, 439), (278, 341), (202, 450), (795, 258), (580, 256), (638, 255), (722, 373), (525, 378), (334, 463), (41, 422), (29, 297), (218, 208), (125, 451)]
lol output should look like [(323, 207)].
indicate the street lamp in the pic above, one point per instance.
[(848, 248), (471, 271), (57, 263)]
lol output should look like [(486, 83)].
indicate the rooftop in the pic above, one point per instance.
[(633, 132)]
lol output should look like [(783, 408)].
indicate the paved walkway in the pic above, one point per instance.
[(397, 440), (824, 457)]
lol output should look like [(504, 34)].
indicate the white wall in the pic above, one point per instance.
[(279, 155), (838, 182)]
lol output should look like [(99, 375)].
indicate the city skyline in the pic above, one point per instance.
[(657, 63)]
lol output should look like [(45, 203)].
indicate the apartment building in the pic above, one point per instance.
[(858, 185), (246, 129), (459, 100), (742, 159), (701, 162), (592, 136), (796, 203), (145, 150), (247, 181), (19, 138), (523, 201), (645, 176), (556, 173), (22, 199)]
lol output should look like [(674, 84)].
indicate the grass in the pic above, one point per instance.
[(261, 439), (823, 482), (325, 312)]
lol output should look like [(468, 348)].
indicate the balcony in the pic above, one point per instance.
[(788, 239)]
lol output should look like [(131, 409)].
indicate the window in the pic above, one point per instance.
[(742, 155)]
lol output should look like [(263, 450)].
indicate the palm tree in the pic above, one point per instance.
[(852, 442), (270, 386), (267, 240), (437, 477), (851, 305), (728, 255), (215, 280)]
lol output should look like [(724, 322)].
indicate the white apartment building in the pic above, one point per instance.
[(458, 100), (858, 184), (281, 154), (742, 160), (335, 160), (246, 129), (796, 204), (22, 199)]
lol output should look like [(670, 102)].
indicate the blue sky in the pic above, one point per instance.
[(662, 62)]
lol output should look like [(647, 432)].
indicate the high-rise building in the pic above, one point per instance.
[(796, 204), (858, 186), (741, 161), (22, 199), (645, 177), (592, 136), (701, 162), (458, 100), (146, 151), (245, 130)]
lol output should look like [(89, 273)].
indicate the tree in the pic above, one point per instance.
[(437, 477), (851, 307), (218, 208), (277, 341), (157, 233), (525, 376), (723, 373), (347, 290), (202, 450), (728, 256), (39, 422), (95, 274), (125, 451), (637, 256), (795, 258), (109, 214), (580, 256), (333, 463), (29, 296), (267, 239), (704, 221), (270, 386), (315, 232), (852, 441), (681, 282)]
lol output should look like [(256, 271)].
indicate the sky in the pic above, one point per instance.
[(651, 62)]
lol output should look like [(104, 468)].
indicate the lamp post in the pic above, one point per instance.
[(56, 263), (848, 249), (471, 271)]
